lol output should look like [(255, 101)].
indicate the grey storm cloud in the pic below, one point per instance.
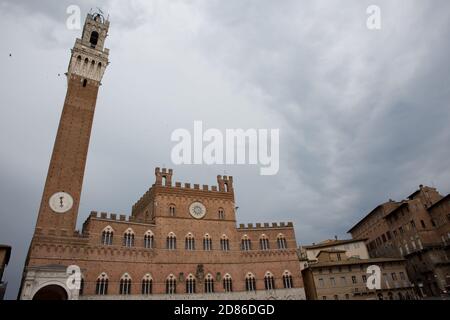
[(363, 114)]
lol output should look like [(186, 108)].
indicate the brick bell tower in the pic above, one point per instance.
[(61, 198)]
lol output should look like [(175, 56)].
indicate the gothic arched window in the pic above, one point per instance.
[(148, 240), (125, 284), (107, 236), (172, 210), (207, 243), (281, 241), (189, 242), (101, 287), (221, 214), (246, 243), (269, 281), (171, 284), (287, 280), (128, 238), (190, 284), (171, 242), (227, 283), (250, 282), (264, 242), (209, 284), (224, 243), (147, 284)]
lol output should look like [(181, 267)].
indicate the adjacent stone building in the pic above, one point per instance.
[(353, 248), (336, 276), (5, 254), (416, 229), (181, 240)]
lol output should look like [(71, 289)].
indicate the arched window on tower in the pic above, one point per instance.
[(125, 285), (190, 284), (101, 287), (287, 280), (107, 236), (207, 243), (148, 240), (264, 242), (172, 210), (84, 83), (221, 213), (246, 243), (147, 284), (171, 242), (269, 282), (224, 243), (209, 283), (189, 243), (227, 283), (281, 241), (94, 39), (171, 284), (250, 282), (128, 238)]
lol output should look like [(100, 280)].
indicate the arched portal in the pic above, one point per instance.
[(51, 292)]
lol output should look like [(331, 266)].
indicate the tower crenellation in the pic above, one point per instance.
[(225, 183)]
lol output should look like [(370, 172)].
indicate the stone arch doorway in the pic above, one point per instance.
[(51, 292)]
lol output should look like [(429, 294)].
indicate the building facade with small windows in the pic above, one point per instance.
[(334, 275), (416, 229), (355, 248), (5, 254)]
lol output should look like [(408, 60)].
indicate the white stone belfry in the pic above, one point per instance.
[(89, 57)]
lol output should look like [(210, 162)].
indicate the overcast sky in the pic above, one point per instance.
[(363, 114)]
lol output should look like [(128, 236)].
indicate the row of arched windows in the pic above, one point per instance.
[(128, 238), (86, 61), (246, 242), (189, 243), (191, 283)]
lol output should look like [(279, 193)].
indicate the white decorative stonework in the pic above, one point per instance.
[(89, 57), (87, 65), (61, 202), (37, 278), (197, 210)]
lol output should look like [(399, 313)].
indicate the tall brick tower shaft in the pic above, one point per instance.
[(61, 198)]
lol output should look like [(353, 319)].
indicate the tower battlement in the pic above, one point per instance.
[(163, 184)]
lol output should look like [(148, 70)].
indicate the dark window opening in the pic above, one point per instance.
[(84, 83), (423, 224), (94, 38)]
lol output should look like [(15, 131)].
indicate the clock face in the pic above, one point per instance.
[(61, 202), (197, 210)]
